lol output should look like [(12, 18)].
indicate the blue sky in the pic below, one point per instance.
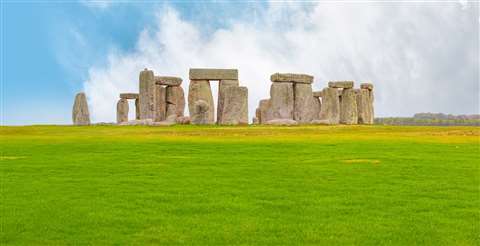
[(52, 51)]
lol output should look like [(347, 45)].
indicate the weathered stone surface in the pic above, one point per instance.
[(129, 95), (281, 99), (122, 110), (147, 95), (341, 84), (161, 103), (365, 106), (80, 113), (317, 94), (330, 110), (348, 107), (221, 96), (367, 86), (144, 122), (320, 122), (266, 113), (184, 120), (255, 121), (175, 101), (317, 106), (212, 74), (282, 122), (137, 109), (168, 80), (304, 106), (201, 113), (164, 123), (200, 90), (291, 77), (234, 108)]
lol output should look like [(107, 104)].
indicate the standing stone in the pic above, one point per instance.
[(330, 111), (266, 113), (175, 101), (221, 96), (200, 90), (137, 109), (365, 106), (348, 107), (147, 95), (317, 106), (161, 103), (201, 113), (304, 105), (80, 114), (122, 110), (234, 108), (281, 98)]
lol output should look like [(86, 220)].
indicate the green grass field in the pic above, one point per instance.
[(325, 185)]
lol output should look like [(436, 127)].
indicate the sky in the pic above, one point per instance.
[(420, 56)]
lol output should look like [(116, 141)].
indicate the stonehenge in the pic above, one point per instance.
[(160, 101)]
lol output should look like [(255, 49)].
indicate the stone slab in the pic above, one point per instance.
[(292, 77), (340, 84), (234, 109), (200, 90), (168, 80), (80, 113), (213, 74), (129, 95), (317, 94), (367, 86), (282, 100)]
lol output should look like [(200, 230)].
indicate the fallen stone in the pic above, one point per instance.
[(147, 95), (341, 84), (163, 123), (80, 113), (200, 90), (282, 100), (321, 122), (304, 105), (282, 122), (317, 94), (348, 107), (122, 110), (129, 95), (330, 110), (367, 86), (144, 122), (291, 77), (175, 101), (234, 108), (168, 80), (213, 74), (221, 96), (184, 120), (201, 113), (161, 103)]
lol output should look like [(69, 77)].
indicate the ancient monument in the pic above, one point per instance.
[(80, 114), (292, 102), (161, 101)]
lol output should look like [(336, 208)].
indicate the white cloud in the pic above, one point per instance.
[(421, 57)]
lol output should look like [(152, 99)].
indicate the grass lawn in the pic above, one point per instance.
[(260, 185)]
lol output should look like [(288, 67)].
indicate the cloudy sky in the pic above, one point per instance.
[(421, 56)]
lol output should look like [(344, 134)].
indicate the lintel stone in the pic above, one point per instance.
[(213, 74), (340, 84), (168, 80), (292, 77), (367, 86), (129, 95)]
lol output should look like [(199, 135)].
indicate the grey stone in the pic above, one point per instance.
[(212, 74), (348, 107), (330, 110), (317, 106), (129, 95), (234, 108), (317, 93), (367, 86), (184, 120), (80, 113), (365, 106), (281, 99), (304, 105), (341, 84), (161, 103), (144, 122), (201, 113), (282, 122), (168, 80), (175, 101), (200, 90), (265, 108), (137, 109), (291, 77), (321, 122), (221, 96), (255, 121), (122, 110), (147, 95)]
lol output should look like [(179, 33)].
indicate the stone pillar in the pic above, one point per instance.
[(317, 106), (122, 110), (365, 104), (348, 107), (281, 98), (175, 101), (137, 109), (266, 113), (221, 96), (200, 113), (330, 111), (161, 105), (200, 90), (80, 113), (304, 105), (234, 107), (147, 95)]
